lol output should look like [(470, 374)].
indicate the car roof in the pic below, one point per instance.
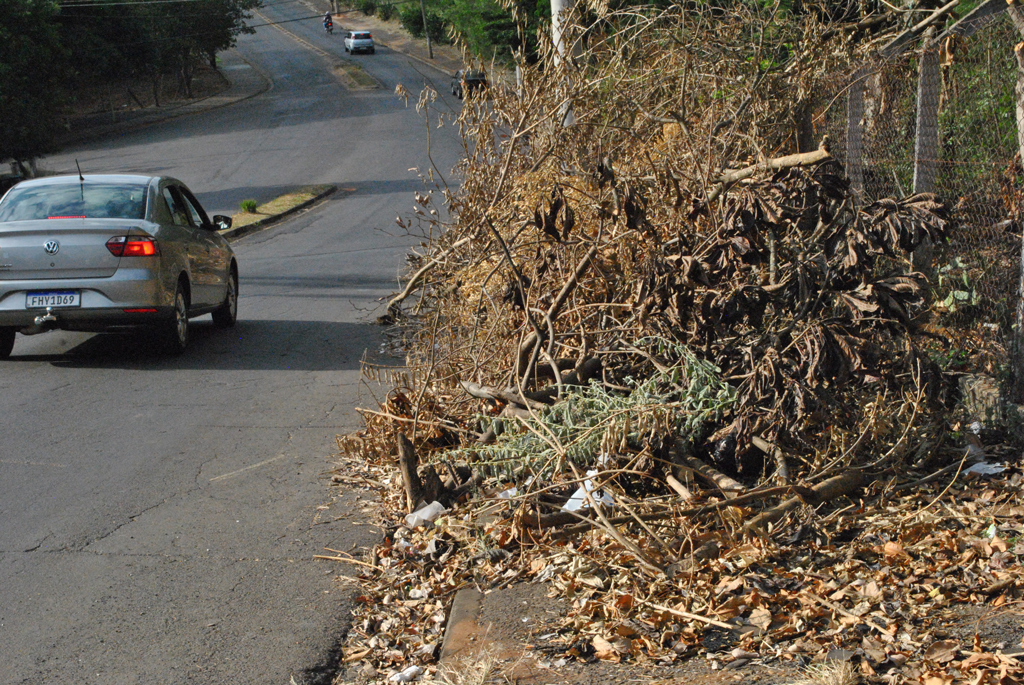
[(137, 179)]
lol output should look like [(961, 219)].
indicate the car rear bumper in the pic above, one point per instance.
[(103, 302), (88, 320)]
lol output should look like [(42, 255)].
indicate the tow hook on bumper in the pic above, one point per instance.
[(43, 323)]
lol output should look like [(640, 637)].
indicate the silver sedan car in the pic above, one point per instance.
[(111, 253)]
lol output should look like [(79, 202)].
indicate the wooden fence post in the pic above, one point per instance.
[(926, 143), (1017, 348)]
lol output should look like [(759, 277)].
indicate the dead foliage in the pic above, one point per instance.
[(661, 357)]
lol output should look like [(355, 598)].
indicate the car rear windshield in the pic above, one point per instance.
[(361, 36), (74, 201)]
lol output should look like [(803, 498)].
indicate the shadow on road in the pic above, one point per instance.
[(250, 345)]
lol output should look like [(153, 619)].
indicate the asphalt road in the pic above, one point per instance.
[(160, 515)]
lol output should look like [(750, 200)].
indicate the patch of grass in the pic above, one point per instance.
[(467, 671), (356, 76), (830, 673), (251, 213)]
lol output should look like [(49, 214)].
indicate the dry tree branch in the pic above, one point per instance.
[(414, 281)]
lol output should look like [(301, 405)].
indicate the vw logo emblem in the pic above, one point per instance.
[(51, 247)]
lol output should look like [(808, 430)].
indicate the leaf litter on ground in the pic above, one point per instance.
[(679, 372)]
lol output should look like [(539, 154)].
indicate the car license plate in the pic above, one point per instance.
[(53, 298)]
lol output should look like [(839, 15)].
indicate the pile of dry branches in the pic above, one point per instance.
[(654, 314)]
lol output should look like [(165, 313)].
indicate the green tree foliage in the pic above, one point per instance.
[(490, 29), (47, 49), (411, 17), (386, 10), (32, 77), (153, 39), (486, 27)]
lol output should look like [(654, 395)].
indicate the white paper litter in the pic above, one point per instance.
[(579, 498)]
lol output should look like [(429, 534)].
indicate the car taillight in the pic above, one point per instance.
[(133, 246)]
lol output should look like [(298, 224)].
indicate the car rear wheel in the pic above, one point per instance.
[(225, 315), (373, 50), (174, 332), (6, 342)]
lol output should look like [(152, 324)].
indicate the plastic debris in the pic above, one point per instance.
[(983, 468), (425, 515), (407, 676)]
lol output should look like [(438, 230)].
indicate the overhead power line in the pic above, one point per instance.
[(248, 26), (76, 9), (206, 33), (107, 3)]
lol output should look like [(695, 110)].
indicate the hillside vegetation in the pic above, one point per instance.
[(663, 356)]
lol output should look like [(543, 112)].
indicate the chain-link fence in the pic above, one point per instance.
[(938, 115)]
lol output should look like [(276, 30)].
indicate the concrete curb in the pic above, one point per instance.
[(462, 631), (235, 233), (426, 62)]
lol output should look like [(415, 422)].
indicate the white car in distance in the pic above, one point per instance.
[(359, 41)]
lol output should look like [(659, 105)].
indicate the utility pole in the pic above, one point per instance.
[(557, 9), (426, 30)]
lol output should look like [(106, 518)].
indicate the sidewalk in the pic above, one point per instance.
[(244, 81)]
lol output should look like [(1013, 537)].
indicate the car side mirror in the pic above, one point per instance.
[(221, 222)]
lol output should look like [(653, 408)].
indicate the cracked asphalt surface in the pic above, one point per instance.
[(160, 515)]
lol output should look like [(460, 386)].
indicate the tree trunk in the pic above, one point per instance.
[(135, 97), (155, 80), (805, 128), (187, 73)]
